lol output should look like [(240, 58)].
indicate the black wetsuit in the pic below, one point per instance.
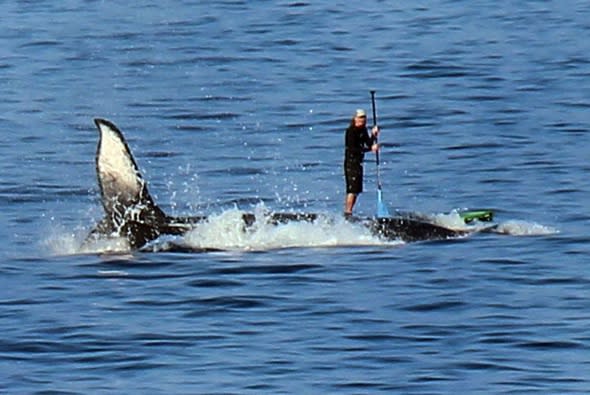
[(357, 143)]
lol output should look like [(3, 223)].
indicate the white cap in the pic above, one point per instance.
[(360, 113)]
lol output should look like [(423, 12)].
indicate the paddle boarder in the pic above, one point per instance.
[(357, 142)]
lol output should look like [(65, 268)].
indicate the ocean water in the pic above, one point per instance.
[(233, 106)]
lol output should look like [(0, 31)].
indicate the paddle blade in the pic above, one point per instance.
[(382, 210)]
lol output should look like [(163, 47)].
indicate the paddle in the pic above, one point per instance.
[(382, 210)]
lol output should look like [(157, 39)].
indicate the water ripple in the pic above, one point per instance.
[(480, 106)]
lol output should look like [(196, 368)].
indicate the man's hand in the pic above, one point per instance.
[(375, 131)]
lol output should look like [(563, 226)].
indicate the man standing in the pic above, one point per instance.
[(357, 142)]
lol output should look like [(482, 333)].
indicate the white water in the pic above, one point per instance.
[(225, 231)]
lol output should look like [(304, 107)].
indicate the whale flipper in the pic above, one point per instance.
[(130, 211)]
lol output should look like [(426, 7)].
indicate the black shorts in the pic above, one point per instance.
[(353, 172)]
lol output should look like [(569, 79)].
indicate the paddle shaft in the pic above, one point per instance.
[(374, 108)]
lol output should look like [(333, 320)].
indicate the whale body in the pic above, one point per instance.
[(131, 213)]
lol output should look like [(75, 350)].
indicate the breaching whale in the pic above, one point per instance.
[(131, 213)]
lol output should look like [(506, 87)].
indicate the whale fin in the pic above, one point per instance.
[(130, 211)]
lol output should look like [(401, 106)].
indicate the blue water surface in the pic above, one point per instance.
[(232, 105)]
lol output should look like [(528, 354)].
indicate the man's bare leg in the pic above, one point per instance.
[(349, 203)]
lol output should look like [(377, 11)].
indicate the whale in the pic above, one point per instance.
[(131, 213)]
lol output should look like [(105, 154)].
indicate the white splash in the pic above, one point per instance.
[(524, 228), (227, 231), (453, 220), (60, 241)]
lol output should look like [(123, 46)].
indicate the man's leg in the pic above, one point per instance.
[(349, 203)]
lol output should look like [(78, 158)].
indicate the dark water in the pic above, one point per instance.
[(231, 106)]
